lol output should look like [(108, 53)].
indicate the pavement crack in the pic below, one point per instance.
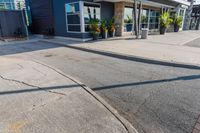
[(57, 93), (17, 81), (30, 85)]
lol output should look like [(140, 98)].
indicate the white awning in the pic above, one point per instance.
[(184, 2)]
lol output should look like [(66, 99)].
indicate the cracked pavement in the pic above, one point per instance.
[(37, 99), (154, 98)]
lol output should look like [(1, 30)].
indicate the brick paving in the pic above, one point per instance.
[(197, 126)]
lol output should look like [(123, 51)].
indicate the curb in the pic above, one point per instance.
[(129, 57), (20, 42), (127, 125)]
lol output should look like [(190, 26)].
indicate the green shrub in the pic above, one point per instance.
[(165, 20)]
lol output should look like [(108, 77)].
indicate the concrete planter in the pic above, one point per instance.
[(105, 35), (112, 33), (95, 36), (176, 28), (163, 30)]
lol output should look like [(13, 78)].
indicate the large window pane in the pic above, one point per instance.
[(154, 20), (145, 14), (91, 11), (128, 19), (75, 28), (72, 8), (87, 18), (2, 6), (73, 19)]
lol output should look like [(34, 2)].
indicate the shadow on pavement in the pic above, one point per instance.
[(191, 77), (10, 49), (38, 89), (131, 58)]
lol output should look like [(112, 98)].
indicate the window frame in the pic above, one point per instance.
[(92, 3), (77, 13), (81, 13)]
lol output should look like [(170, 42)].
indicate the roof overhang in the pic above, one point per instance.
[(150, 2), (184, 2), (145, 2)]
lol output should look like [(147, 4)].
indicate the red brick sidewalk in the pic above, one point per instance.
[(197, 126)]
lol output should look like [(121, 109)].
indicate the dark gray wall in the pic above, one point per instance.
[(42, 15), (107, 10), (51, 13), (10, 22), (60, 19)]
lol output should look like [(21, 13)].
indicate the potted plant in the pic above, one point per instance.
[(177, 23), (165, 21), (94, 28), (111, 27), (104, 30), (129, 23)]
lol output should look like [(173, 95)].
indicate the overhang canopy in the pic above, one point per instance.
[(184, 2)]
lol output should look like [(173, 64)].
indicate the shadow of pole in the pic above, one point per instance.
[(38, 89), (191, 77), (131, 58)]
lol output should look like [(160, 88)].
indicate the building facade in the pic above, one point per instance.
[(70, 18), (12, 4), (195, 18), (7, 4)]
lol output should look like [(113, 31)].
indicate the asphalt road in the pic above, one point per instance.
[(154, 98)]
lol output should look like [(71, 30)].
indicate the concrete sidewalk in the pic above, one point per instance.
[(172, 47), (37, 99), (169, 48), (30, 39)]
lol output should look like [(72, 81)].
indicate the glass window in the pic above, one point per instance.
[(73, 17), (181, 14), (91, 11), (128, 19), (2, 6), (145, 18), (72, 8), (154, 20), (75, 28)]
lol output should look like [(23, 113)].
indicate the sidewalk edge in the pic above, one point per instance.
[(129, 57), (127, 125)]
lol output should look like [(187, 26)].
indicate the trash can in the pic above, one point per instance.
[(144, 33)]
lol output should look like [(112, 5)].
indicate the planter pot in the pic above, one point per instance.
[(162, 30), (95, 36), (112, 33), (104, 35), (176, 28), (129, 27)]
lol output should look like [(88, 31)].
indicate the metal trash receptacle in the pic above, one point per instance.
[(144, 33)]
